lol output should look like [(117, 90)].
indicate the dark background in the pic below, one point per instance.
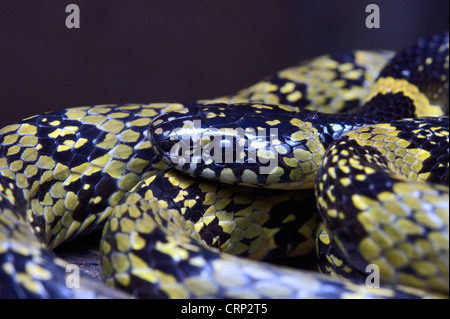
[(172, 51)]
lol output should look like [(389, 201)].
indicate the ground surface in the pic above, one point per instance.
[(84, 253)]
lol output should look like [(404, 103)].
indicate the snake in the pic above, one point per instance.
[(341, 160)]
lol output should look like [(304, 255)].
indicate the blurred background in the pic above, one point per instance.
[(143, 51)]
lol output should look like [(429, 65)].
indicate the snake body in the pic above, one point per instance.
[(66, 173)]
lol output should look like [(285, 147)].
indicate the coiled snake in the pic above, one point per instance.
[(379, 170)]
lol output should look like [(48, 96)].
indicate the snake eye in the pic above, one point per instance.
[(166, 146)]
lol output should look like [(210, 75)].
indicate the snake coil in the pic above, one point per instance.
[(173, 219)]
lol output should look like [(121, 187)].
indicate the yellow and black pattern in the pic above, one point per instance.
[(146, 253), (66, 173), (399, 223), (243, 221), (66, 169), (303, 136), (330, 259), (73, 164), (28, 268)]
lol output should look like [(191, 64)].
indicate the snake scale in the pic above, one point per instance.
[(358, 147)]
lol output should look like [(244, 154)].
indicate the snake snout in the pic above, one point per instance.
[(169, 142), (160, 139)]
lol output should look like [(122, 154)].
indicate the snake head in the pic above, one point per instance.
[(238, 144)]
